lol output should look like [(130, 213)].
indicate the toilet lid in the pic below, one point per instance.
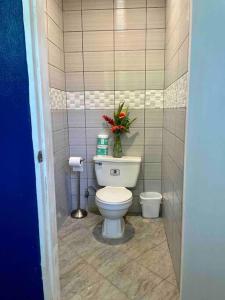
[(111, 194)]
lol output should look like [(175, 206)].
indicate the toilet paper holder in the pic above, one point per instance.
[(78, 213)]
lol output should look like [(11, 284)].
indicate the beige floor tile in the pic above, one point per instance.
[(158, 260), (172, 279), (90, 269), (164, 291), (77, 276), (134, 280), (102, 290), (151, 231), (108, 260)]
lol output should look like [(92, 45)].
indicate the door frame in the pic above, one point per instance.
[(37, 63)]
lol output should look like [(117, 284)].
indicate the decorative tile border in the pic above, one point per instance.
[(75, 100), (154, 98), (99, 99), (135, 99), (182, 89), (171, 96), (57, 99), (176, 93)]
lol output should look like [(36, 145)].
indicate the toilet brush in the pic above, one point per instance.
[(78, 213)]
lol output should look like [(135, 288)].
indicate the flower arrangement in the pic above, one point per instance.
[(120, 124)]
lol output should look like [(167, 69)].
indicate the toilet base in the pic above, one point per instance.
[(113, 228)]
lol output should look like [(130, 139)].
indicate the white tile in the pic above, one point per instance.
[(153, 136), (97, 20), (155, 80), (152, 171), (77, 136), (130, 19), (74, 82), (72, 41), (72, 4), (130, 80), (56, 78), (57, 99), (134, 99), (129, 60), (99, 61), (72, 20), (97, 4), (75, 100), (130, 40), (154, 99), (98, 41), (73, 62), (129, 3), (55, 12), (153, 153), (55, 56), (156, 18), (155, 39), (156, 3), (99, 99), (95, 81), (152, 185), (155, 60), (182, 91), (55, 34)]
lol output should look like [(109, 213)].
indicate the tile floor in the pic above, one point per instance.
[(139, 269)]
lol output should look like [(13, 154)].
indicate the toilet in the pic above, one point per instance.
[(115, 175)]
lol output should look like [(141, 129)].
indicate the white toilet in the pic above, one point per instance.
[(113, 201)]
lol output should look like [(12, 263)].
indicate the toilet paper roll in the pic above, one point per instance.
[(76, 162)]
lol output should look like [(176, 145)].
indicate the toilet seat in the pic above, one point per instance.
[(114, 195)]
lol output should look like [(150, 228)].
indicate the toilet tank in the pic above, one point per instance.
[(111, 171)]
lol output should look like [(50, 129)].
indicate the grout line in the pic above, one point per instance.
[(114, 8), (61, 29), (85, 115), (178, 78), (125, 50), (116, 71), (144, 160), (116, 30)]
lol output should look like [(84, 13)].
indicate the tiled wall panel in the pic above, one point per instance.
[(175, 100), (114, 51), (58, 99)]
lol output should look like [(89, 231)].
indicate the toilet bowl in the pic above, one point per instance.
[(113, 204), (115, 175)]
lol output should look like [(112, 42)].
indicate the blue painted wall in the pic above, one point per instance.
[(203, 262), (20, 272)]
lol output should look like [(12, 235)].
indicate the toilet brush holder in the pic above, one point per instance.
[(78, 213)]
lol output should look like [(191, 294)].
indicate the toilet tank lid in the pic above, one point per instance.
[(124, 159)]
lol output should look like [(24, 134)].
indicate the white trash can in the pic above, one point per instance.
[(150, 202)]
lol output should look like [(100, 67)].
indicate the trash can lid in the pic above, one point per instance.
[(150, 196)]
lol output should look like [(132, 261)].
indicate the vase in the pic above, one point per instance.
[(117, 148)]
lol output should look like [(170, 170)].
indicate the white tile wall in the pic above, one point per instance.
[(154, 98), (99, 99), (75, 100), (57, 99), (135, 99), (176, 93)]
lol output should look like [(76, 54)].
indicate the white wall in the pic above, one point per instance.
[(203, 257)]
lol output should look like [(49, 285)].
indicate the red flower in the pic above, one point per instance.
[(121, 127), (117, 128), (114, 128), (108, 120), (122, 115)]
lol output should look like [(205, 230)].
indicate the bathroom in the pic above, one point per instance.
[(112, 99), (102, 53)]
